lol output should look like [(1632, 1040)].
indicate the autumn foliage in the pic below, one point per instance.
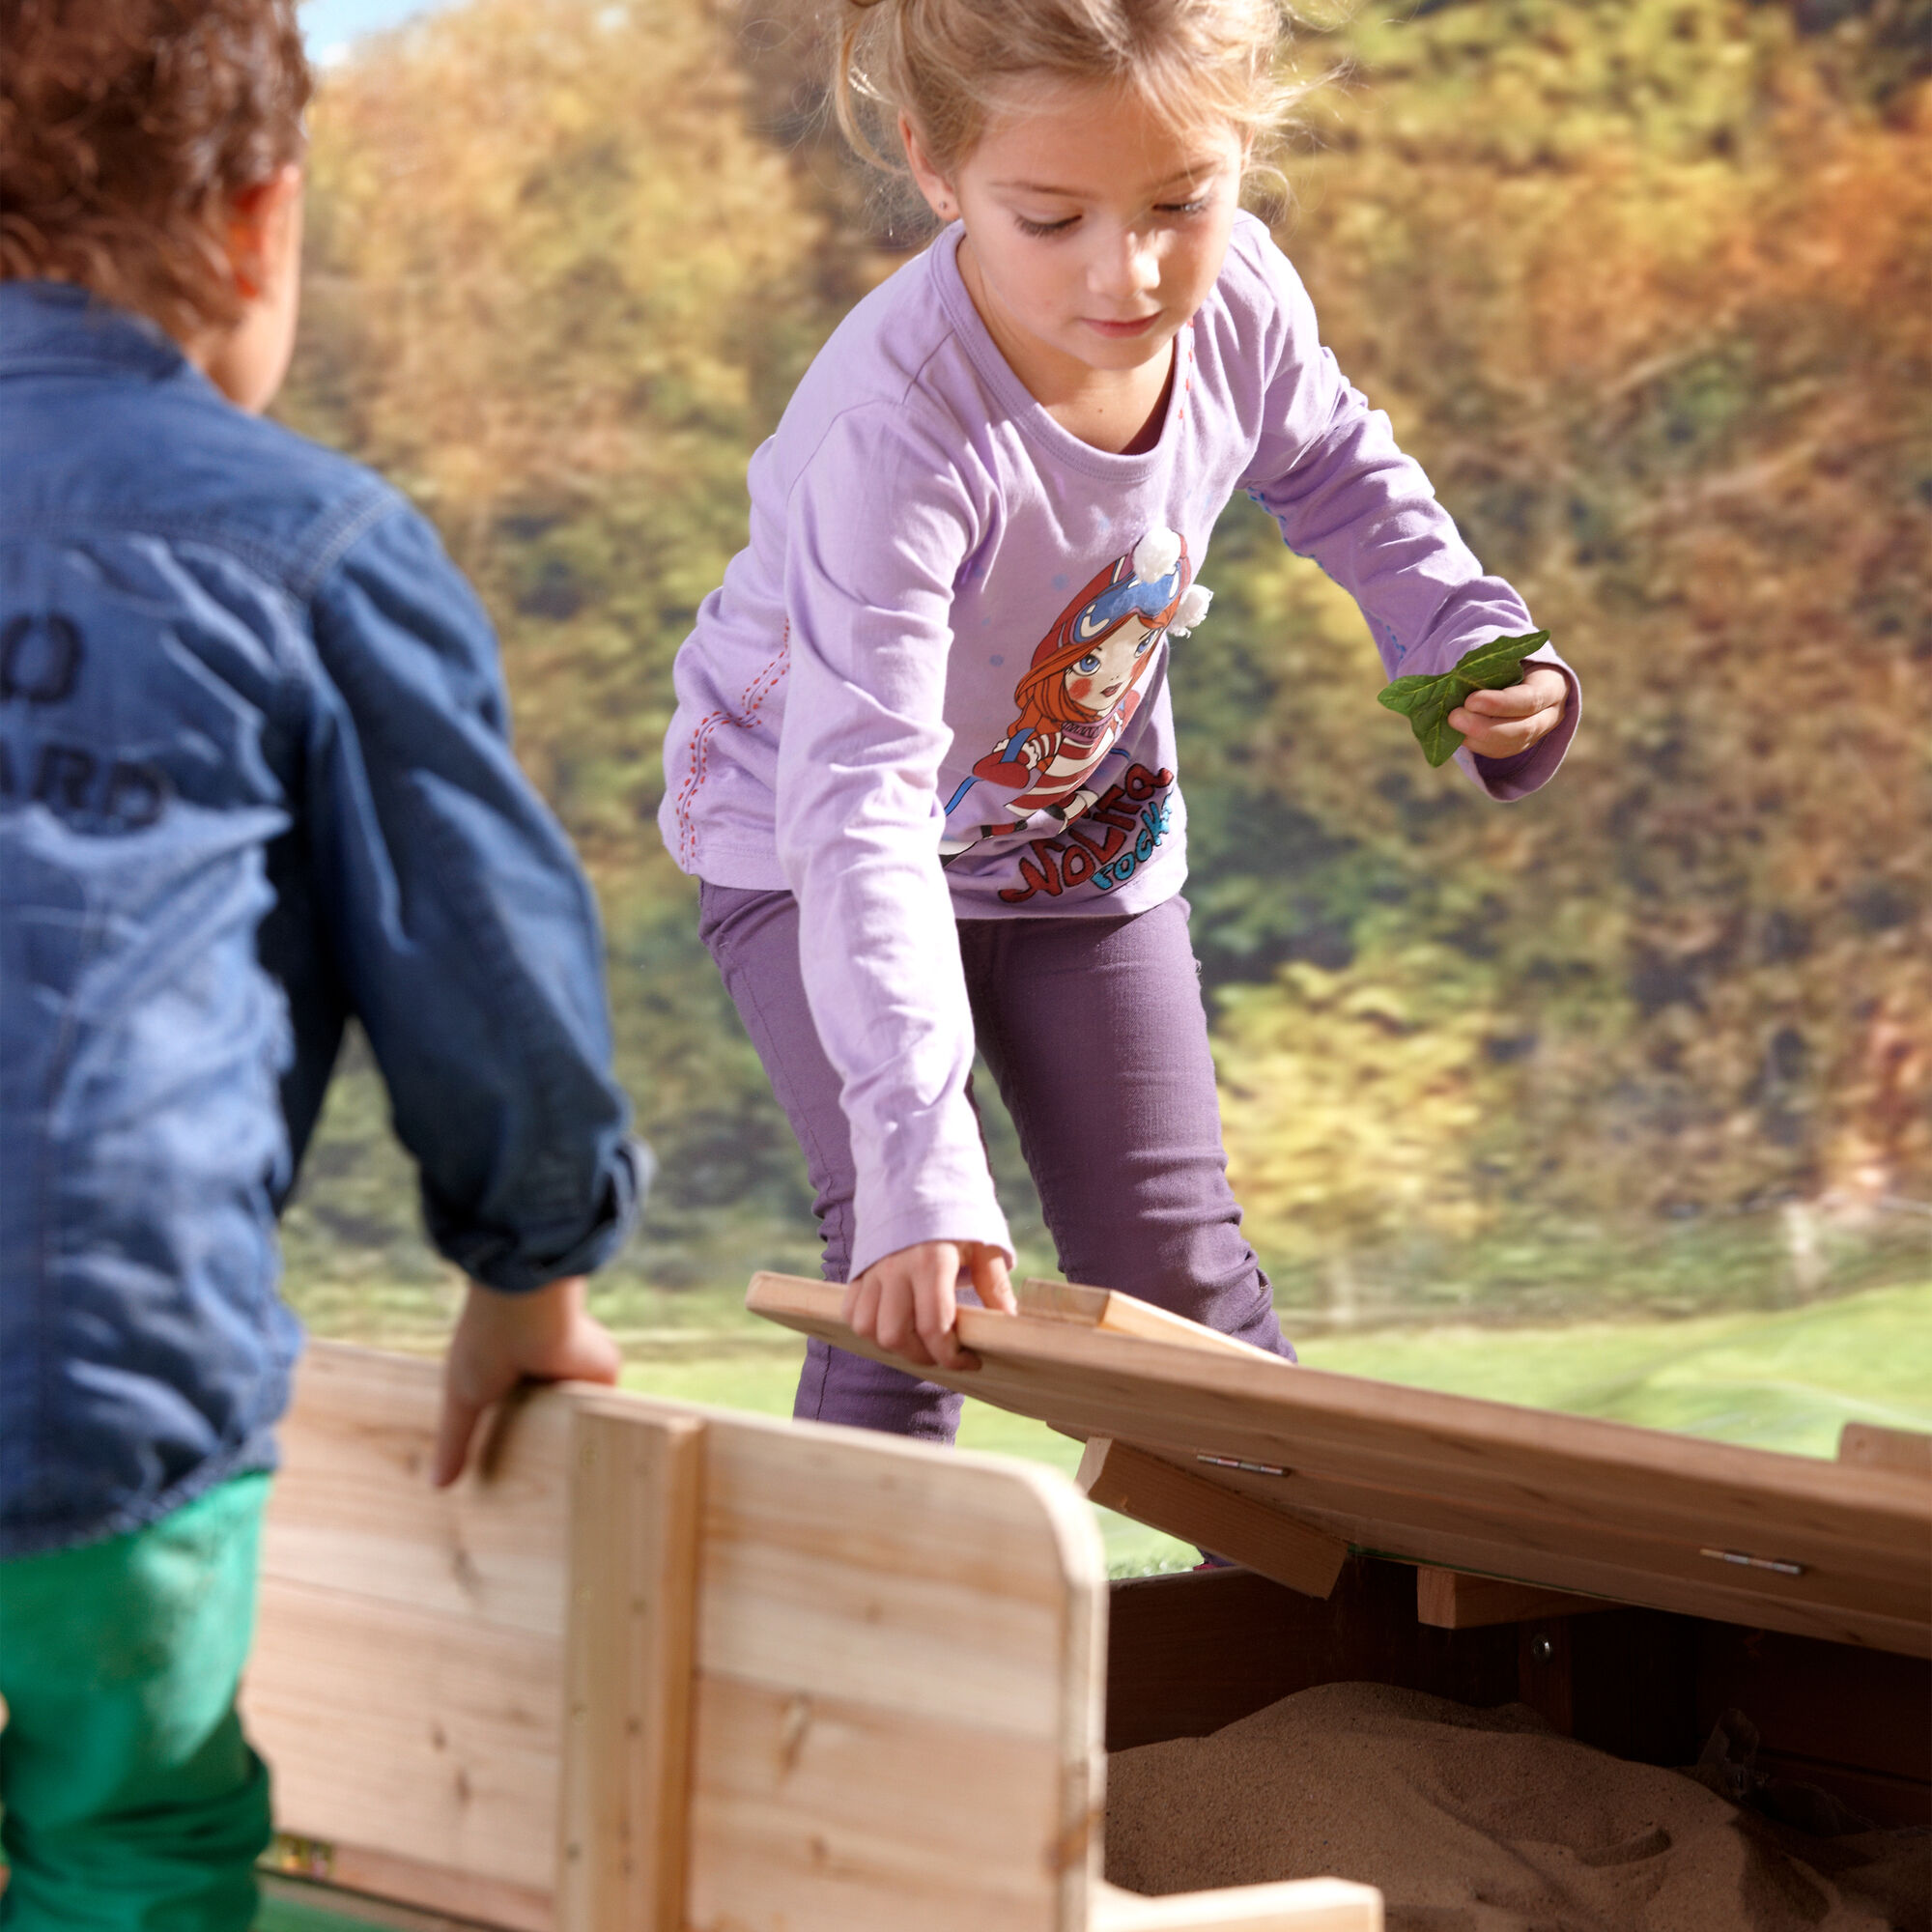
[(1647, 284)]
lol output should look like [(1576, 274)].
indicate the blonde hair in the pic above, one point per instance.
[(949, 64)]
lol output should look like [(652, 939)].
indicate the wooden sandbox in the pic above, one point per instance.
[(1629, 1584), (686, 1670), (657, 1667)]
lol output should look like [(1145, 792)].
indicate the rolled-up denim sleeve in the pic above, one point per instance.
[(466, 935)]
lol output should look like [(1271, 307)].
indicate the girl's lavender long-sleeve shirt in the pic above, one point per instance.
[(933, 686)]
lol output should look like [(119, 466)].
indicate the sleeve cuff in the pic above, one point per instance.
[(882, 1233), (518, 1266)]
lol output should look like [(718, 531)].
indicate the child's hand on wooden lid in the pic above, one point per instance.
[(909, 1302)]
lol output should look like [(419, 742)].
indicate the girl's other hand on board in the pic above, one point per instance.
[(547, 1335), (908, 1302), (1502, 724)]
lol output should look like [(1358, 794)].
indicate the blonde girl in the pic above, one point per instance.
[(1019, 444)]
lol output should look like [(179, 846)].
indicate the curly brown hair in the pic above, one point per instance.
[(127, 129)]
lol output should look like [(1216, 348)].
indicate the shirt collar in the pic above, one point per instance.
[(48, 327)]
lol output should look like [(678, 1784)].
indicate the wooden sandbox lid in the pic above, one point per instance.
[(1288, 1468)]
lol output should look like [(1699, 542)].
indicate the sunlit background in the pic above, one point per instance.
[(1617, 1100)]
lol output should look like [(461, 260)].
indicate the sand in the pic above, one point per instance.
[(1485, 1821)]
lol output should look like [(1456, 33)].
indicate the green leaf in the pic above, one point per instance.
[(1426, 702)]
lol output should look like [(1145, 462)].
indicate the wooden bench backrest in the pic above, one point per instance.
[(656, 1666)]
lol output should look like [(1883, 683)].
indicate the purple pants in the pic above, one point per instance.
[(1094, 1030)]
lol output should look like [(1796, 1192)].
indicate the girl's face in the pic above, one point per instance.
[(1095, 229), (1095, 682)]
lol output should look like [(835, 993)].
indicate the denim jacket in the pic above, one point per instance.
[(255, 777)]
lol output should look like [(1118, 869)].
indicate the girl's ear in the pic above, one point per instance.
[(931, 183)]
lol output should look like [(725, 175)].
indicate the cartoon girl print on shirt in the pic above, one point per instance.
[(1081, 692)]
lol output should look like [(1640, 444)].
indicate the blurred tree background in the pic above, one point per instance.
[(1646, 284)]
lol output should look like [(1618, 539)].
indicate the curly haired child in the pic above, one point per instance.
[(254, 777), (930, 786)]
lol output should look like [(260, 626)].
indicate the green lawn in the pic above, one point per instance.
[(1788, 1381)]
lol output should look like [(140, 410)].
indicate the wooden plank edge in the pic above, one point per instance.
[(494, 1903), (1455, 1599), (1589, 1446), (1289, 1905), (356, 1908), (1832, 1620), (1905, 1451), (1117, 1314), (1120, 1476), (636, 1505)]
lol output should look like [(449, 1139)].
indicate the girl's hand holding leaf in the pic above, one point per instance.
[(1500, 724), (1485, 700)]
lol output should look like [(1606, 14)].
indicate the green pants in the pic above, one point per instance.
[(132, 1803)]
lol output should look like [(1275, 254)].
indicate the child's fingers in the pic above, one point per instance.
[(899, 1322), (861, 1305), (992, 1281), (1517, 702), (938, 1312), (1489, 739), (1540, 689), (454, 1429)]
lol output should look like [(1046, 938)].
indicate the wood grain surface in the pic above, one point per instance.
[(1839, 1550), (687, 1671)]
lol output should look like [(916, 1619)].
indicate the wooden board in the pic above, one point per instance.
[(636, 1497), (685, 1670), (1179, 1500), (1904, 1450), (406, 1683), (1452, 1600), (1294, 1904), (1570, 1503), (890, 1658)]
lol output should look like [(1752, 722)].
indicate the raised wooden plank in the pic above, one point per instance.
[(1566, 1503), (1452, 1600), (1118, 1477), (1291, 1905), (1905, 1451), (636, 1497), (1102, 1308), (1621, 1565)]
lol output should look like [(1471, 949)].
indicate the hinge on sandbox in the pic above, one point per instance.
[(299, 1858)]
